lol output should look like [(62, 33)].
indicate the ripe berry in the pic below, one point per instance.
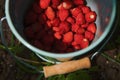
[(90, 17), (78, 2), (44, 3), (89, 35), (92, 27), (84, 43), (50, 13), (68, 37), (57, 35), (63, 14), (80, 19), (67, 4)]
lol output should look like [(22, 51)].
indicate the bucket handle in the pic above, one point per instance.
[(10, 52)]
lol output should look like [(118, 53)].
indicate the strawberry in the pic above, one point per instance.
[(56, 29), (84, 43), (80, 19), (57, 35), (36, 8), (55, 22), (30, 18), (50, 13), (77, 47), (29, 32), (78, 38), (92, 27), (75, 27), (44, 3), (86, 9), (68, 37), (85, 25), (67, 4), (42, 18), (63, 14), (55, 3), (70, 20), (64, 27), (75, 12), (49, 24), (89, 35), (90, 17), (78, 2), (60, 6), (80, 30)]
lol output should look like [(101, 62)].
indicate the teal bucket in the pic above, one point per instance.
[(106, 10)]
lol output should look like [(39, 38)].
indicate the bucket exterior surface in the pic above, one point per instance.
[(15, 10)]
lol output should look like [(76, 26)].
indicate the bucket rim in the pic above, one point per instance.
[(57, 55)]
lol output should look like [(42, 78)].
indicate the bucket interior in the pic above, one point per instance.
[(105, 16)]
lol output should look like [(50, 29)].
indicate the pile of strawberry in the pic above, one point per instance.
[(60, 25)]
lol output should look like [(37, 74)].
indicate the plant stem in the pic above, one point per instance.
[(110, 58)]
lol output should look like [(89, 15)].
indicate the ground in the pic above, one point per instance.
[(108, 67)]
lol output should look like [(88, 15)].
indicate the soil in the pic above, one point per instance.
[(108, 70)]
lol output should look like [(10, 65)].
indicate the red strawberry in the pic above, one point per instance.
[(55, 3), (60, 6), (55, 22), (75, 12), (70, 20), (90, 17), (78, 38), (42, 18), (49, 23), (80, 19), (84, 43), (50, 13), (68, 37), (63, 14), (44, 3), (85, 9), (78, 2), (29, 32), (57, 35), (56, 29), (36, 8), (85, 25), (80, 30), (89, 35), (77, 47), (92, 27), (67, 4), (75, 27), (64, 27), (30, 18)]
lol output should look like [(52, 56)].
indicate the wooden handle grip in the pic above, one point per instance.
[(67, 67)]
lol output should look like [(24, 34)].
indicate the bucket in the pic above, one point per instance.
[(106, 11)]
